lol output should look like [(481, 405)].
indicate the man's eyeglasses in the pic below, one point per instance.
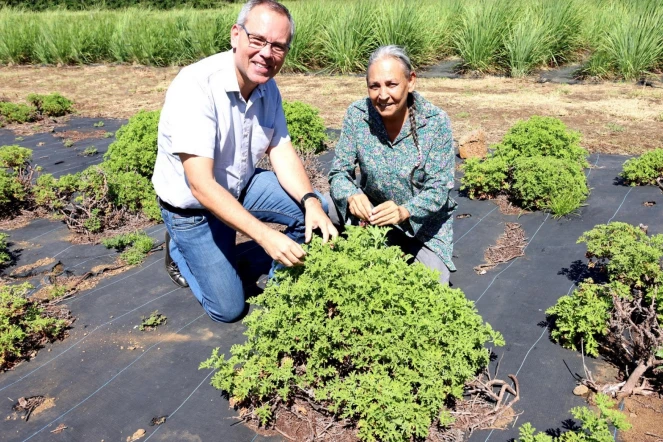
[(257, 42)]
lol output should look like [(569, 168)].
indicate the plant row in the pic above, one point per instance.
[(78, 5), (624, 37), (38, 107), (103, 196), (110, 194)]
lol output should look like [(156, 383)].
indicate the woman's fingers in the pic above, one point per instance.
[(360, 206), (385, 214)]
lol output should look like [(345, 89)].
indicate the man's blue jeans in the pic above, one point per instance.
[(204, 247)]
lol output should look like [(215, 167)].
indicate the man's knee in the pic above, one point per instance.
[(227, 313)]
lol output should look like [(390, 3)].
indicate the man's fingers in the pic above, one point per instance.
[(308, 233), (333, 231)]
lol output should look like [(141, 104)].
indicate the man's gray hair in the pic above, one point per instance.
[(391, 51), (271, 4)]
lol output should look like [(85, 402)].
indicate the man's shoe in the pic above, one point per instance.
[(171, 268)]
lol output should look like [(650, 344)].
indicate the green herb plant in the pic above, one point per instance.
[(362, 334), (24, 324), (17, 113), (149, 323), (306, 127), (103, 196), (594, 425), (623, 315), (99, 124), (134, 246), (90, 151), (645, 169), (538, 165), (5, 257), (16, 174), (52, 105)]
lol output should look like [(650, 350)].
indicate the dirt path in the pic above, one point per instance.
[(613, 117)]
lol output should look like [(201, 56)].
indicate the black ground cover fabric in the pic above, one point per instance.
[(109, 379)]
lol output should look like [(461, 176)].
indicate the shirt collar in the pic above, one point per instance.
[(231, 84)]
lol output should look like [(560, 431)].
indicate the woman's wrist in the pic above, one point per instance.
[(403, 214)]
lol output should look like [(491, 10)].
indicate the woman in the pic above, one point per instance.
[(404, 148)]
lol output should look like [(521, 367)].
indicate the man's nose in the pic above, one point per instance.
[(266, 50)]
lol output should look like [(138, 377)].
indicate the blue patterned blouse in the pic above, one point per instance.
[(386, 167)]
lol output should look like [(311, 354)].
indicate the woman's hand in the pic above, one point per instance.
[(388, 213), (360, 206)]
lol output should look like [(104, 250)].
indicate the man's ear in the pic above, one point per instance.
[(234, 36)]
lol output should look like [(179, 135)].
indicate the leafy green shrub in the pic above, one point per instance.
[(595, 425), (17, 113), (15, 157), (11, 190), (135, 147), (16, 182), (627, 308), (643, 170), (102, 195), (306, 127), (52, 105), (4, 252), (23, 324), (362, 333), (582, 317), (134, 246), (485, 178), (541, 182), (541, 136), (538, 163)]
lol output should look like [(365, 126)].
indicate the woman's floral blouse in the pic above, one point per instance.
[(385, 170)]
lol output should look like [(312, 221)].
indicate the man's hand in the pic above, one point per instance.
[(316, 218), (388, 213), (281, 248), (360, 206)]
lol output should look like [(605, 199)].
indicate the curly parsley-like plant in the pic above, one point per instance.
[(624, 315), (538, 165), (362, 333)]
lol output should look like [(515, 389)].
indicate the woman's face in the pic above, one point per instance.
[(388, 87)]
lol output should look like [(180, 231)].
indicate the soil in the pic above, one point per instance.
[(77, 135), (646, 416), (613, 117)]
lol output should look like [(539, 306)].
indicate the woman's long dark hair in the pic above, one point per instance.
[(398, 53)]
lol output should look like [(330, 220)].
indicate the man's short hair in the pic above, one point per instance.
[(271, 4)]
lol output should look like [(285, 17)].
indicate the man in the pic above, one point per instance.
[(221, 115)]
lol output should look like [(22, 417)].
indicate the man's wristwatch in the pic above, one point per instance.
[(307, 196)]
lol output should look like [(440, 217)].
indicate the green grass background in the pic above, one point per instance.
[(611, 38)]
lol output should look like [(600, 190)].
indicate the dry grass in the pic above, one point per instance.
[(491, 103)]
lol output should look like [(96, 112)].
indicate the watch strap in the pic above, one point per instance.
[(307, 196)]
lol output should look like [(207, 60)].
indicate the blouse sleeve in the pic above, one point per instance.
[(439, 172), (342, 175)]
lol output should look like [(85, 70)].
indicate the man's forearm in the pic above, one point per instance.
[(290, 171), (225, 207)]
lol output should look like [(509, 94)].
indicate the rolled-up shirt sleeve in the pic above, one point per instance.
[(439, 171), (194, 127), (342, 173)]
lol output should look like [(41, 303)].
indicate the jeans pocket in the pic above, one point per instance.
[(180, 222)]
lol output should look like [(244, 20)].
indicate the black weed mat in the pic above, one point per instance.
[(110, 380)]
